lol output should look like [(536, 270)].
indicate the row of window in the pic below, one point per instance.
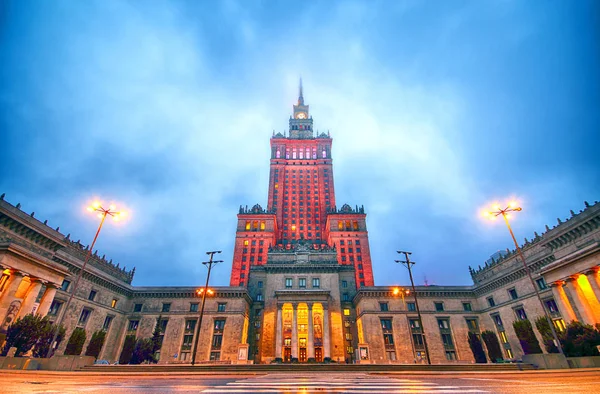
[(66, 284), (512, 292), (84, 317), (289, 283), (166, 307)]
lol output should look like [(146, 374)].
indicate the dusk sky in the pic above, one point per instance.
[(166, 108)]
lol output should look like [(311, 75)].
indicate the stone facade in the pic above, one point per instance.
[(304, 300)]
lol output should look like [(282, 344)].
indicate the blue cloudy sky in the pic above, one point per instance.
[(167, 107)]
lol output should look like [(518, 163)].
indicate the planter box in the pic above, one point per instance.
[(547, 361)]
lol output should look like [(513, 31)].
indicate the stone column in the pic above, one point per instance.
[(564, 306), (47, 299), (594, 280), (278, 333), (8, 295), (579, 301), (311, 345), (32, 292), (589, 288), (294, 331), (326, 333)]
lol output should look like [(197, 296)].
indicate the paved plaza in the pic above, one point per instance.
[(116, 383)]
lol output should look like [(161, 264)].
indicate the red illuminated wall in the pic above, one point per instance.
[(301, 205)]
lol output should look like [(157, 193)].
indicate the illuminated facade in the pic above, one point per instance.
[(301, 285)]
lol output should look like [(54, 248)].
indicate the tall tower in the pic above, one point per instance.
[(301, 205)]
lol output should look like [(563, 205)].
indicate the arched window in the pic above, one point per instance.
[(301, 154), (294, 154), (314, 156), (278, 155), (287, 153), (324, 154), (308, 153)]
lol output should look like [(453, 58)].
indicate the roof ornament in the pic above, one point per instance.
[(300, 95)]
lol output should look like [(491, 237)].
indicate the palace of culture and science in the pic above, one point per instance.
[(302, 286)]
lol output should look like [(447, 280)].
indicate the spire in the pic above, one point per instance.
[(300, 96)]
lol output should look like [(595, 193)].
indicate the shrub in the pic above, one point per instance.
[(27, 332), (580, 340), (477, 348), (44, 342), (527, 337), (544, 328), (76, 341), (492, 345), (127, 351), (96, 343), (143, 351)]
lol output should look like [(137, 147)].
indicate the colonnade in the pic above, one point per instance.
[(578, 296), (19, 293), (317, 343)]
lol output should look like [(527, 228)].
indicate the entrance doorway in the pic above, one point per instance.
[(302, 357), (318, 354), (287, 354)]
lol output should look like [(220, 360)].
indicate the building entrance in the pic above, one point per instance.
[(318, 354), (287, 354), (302, 357)]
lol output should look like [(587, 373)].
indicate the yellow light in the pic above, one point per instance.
[(407, 292), (293, 228), (496, 207), (112, 207), (116, 218), (100, 215), (506, 215), (91, 209), (396, 291), (486, 214), (123, 213), (512, 204), (96, 204)]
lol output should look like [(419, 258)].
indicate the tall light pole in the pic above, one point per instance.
[(407, 263), (209, 264), (102, 214), (513, 207)]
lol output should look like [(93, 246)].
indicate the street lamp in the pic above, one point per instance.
[(204, 292), (102, 214), (513, 207), (407, 263)]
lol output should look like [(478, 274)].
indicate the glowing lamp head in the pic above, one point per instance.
[(396, 291), (112, 207), (512, 204), (96, 204), (496, 207), (407, 292), (91, 209)]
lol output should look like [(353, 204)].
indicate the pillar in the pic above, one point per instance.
[(326, 333), (594, 280), (47, 299), (590, 295), (579, 301), (294, 331), (311, 345), (8, 295), (32, 292), (278, 333), (564, 305)]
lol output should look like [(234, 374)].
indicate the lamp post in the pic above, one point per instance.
[(513, 207), (408, 265), (102, 214), (209, 264)]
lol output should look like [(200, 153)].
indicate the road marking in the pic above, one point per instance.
[(530, 382)]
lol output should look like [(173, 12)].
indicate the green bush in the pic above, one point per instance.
[(76, 341), (477, 348), (544, 328), (44, 342), (580, 340), (143, 351), (492, 345), (29, 331), (96, 343), (527, 337), (127, 351)]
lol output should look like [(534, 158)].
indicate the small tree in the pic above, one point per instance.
[(43, 344), (25, 332), (142, 351), (477, 348), (580, 340), (544, 328), (527, 337), (127, 351), (96, 343), (492, 345), (76, 341), (156, 339)]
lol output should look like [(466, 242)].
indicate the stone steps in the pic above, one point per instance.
[(268, 368)]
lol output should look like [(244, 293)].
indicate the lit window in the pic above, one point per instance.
[(247, 228), (113, 304), (262, 225), (346, 312), (246, 243)]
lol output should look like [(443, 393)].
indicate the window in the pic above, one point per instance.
[(521, 315), (316, 283), (346, 312), (551, 305), (194, 307), (467, 306), (137, 307), (443, 323), (491, 301), (345, 297), (190, 325), (221, 306), (65, 285), (302, 282), (260, 284), (107, 321), (344, 284), (560, 324), (472, 325), (450, 355), (497, 320), (113, 303), (503, 337), (513, 293), (133, 325), (54, 308), (166, 307), (411, 307), (219, 324), (439, 306), (215, 356), (85, 315), (288, 283), (541, 283), (259, 297), (388, 339), (92, 295), (386, 324), (383, 306)]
